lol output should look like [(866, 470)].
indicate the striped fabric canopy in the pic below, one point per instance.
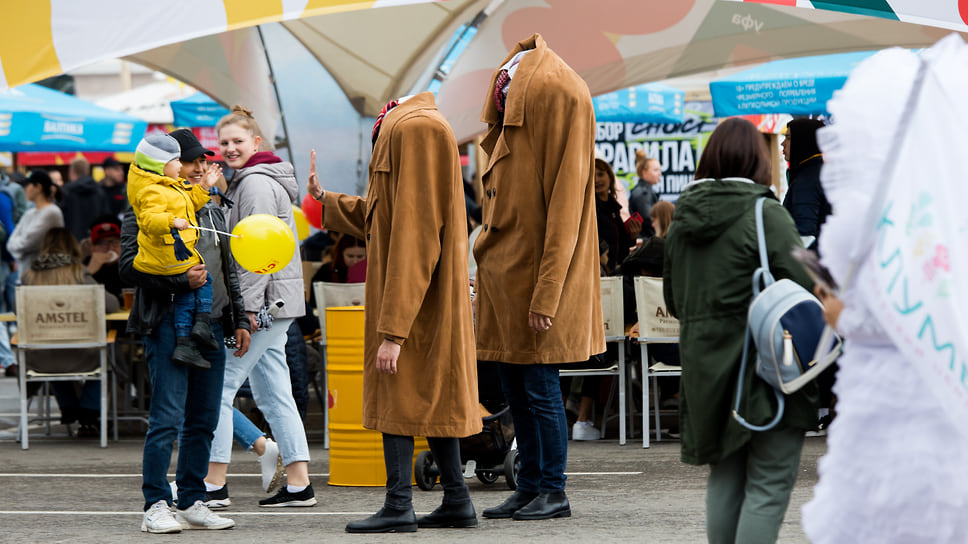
[(42, 38), (951, 14)]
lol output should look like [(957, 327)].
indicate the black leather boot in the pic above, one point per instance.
[(546, 506), (202, 333), (385, 521), (187, 354), (449, 515), (517, 500)]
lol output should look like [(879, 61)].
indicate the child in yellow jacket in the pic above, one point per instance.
[(165, 208)]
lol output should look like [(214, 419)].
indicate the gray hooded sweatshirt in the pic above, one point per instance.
[(270, 189)]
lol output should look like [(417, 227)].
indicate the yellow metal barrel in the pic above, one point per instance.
[(355, 453)]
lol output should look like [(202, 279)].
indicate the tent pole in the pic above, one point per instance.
[(275, 89)]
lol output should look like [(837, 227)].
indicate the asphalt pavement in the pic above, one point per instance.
[(70, 490)]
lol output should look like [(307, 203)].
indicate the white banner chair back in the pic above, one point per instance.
[(656, 326), (61, 317)]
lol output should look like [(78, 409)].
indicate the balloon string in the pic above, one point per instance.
[(217, 231)]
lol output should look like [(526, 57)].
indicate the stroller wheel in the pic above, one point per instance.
[(511, 467), (487, 477), (424, 471)]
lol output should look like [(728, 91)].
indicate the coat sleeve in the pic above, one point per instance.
[(344, 214), (199, 196), (154, 217), (563, 136), (425, 155), (781, 239), (129, 250)]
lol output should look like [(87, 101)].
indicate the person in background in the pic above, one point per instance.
[(643, 195), (28, 236), (710, 256), (82, 199), (105, 252), (7, 222), (805, 198), (262, 183), (16, 192), (59, 263), (57, 178), (346, 254), (617, 234), (184, 400), (114, 186)]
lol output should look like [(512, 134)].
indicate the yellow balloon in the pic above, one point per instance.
[(264, 244), (302, 224)]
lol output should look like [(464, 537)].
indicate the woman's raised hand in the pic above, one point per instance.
[(312, 186), (211, 175)]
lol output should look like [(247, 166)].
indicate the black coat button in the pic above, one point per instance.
[(368, 237)]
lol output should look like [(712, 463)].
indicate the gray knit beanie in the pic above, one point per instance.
[(154, 151)]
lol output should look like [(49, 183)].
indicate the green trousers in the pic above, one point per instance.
[(747, 493)]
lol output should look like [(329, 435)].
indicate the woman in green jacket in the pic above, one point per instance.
[(710, 256)]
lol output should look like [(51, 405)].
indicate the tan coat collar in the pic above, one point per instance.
[(514, 109), (422, 101)]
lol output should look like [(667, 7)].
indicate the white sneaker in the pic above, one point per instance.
[(198, 516), (271, 464), (159, 519), (584, 430)]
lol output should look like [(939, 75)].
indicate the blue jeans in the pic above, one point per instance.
[(244, 431), (184, 399), (186, 305), (265, 367), (540, 426)]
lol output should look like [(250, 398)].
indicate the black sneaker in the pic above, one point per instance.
[(283, 498), (218, 498)]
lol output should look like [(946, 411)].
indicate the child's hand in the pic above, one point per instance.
[(212, 175), (179, 223)]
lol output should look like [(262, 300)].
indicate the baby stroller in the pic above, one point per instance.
[(489, 454)]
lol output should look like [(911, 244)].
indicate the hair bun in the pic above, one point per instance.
[(242, 110), (639, 155)]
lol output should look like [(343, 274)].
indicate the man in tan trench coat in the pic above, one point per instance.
[(419, 370), (538, 294)]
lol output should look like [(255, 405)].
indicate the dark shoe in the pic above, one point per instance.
[(88, 431), (187, 354), (385, 521), (202, 334), (449, 515), (546, 506), (517, 501), (218, 498), (284, 498), (12, 371)]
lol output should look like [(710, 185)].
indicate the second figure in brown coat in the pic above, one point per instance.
[(419, 370), (538, 294)]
